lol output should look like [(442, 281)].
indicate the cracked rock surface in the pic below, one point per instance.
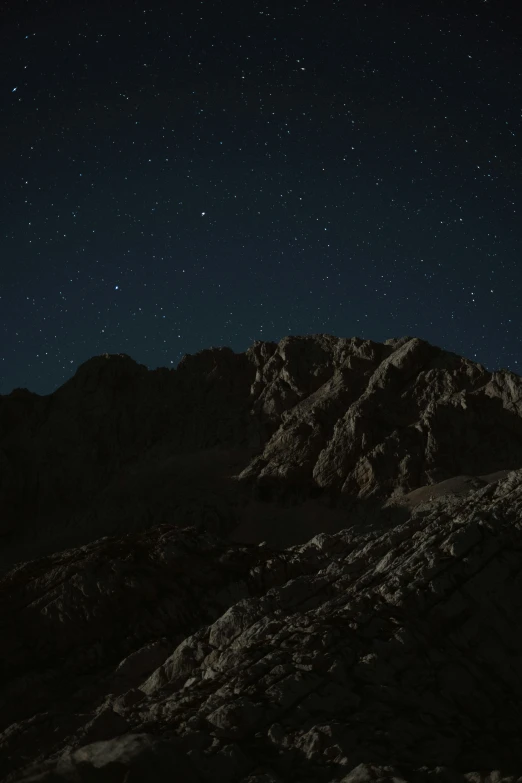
[(385, 644)]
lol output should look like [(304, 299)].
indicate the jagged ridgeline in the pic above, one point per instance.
[(297, 563)]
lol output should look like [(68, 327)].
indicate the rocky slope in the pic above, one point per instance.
[(319, 418), (373, 634)]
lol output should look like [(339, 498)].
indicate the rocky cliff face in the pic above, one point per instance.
[(298, 563)]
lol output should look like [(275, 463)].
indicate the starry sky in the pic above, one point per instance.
[(184, 175)]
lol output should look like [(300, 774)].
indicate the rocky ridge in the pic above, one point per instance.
[(386, 647)]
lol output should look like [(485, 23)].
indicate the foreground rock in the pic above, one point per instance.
[(316, 419), (390, 654)]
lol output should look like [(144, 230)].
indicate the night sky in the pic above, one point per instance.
[(182, 175)]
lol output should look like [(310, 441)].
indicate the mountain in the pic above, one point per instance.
[(297, 563)]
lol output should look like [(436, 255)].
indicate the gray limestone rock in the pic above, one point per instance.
[(133, 758), (321, 419), (374, 635)]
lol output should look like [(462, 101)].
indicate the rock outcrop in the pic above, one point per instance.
[(299, 563)]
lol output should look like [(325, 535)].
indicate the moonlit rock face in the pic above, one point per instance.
[(295, 563)]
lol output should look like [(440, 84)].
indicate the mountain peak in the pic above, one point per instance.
[(308, 513)]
